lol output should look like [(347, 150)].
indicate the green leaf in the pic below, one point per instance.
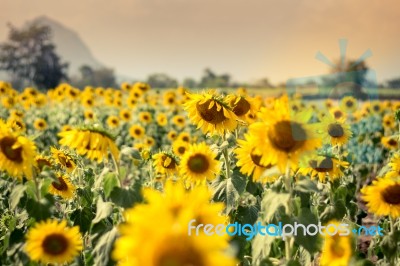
[(306, 186), (261, 247), (103, 210), (271, 202), (336, 211), (16, 194), (229, 190), (40, 210), (125, 197), (82, 218), (110, 181), (104, 246), (309, 242)]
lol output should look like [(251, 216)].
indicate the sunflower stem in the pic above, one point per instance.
[(117, 169), (227, 162), (288, 185), (37, 189)]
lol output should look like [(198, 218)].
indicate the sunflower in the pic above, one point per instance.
[(16, 113), (125, 86), (42, 161), (383, 197), (52, 242), (66, 128), (113, 121), (336, 249), (141, 86), (40, 124), (125, 115), (17, 153), (117, 102), (8, 102), (92, 142), (62, 158), (145, 117), (323, 167), (348, 104), (337, 113), (376, 107), (179, 147), (396, 106), (335, 131), (136, 131), (88, 101), (149, 142), (165, 163), (171, 135), (145, 241), (210, 112), (390, 143), (241, 105), (131, 102), (388, 121), (198, 164), (162, 119), (329, 103), (169, 98), (89, 114), (394, 165), (184, 136), (62, 187), (285, 137), (179, 120), (16, 124), (249, 161)]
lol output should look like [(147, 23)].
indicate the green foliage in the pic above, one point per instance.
[(30, 55)]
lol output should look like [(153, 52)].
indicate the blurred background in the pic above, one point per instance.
[(193, 43)]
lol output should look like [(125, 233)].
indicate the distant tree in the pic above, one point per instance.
[(189, 83), (212, 80), (101, 77), (29, 55), (159, 80), (263, 83), (394, 83)]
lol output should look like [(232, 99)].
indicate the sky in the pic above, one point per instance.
[(248, 39)]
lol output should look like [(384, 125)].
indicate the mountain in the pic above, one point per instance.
[(69, 45)]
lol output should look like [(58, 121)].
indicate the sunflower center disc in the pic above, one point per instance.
[(14, 155), (181, 255), (392, 142), (170, 165), (335, 130), (324, 166), (181, 150), (338, 114), (349, 104), (198, 163), (212, 115), (61, 185), (391, 194), (55, 244), (287, 136), (242, 107)]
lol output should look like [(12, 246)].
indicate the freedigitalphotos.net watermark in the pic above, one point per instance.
[(280, 229)]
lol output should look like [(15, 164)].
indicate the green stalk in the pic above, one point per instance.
[(227, 161), (288, 186), (116, 169)]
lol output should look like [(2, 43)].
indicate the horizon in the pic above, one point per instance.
[(278, 46)]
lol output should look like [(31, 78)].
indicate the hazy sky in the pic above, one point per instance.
[(248, 39)]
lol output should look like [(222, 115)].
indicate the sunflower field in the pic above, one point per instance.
[(138, 176)]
